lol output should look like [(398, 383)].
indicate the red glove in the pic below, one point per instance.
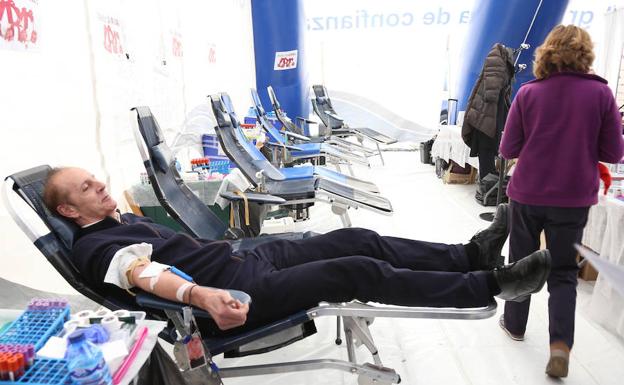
[(605, 175)]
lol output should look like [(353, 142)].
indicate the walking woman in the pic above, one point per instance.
[(560, 126)]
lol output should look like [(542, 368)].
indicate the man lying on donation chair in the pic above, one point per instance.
[(283, 277)]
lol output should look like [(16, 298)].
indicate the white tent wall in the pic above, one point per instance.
[(405, 54), (66, 99), (610, 58)]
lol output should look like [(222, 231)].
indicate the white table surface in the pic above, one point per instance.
[(604, 233), (449, 145)]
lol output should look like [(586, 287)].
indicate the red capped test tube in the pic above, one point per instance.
[(13, 368), (4, 366), (20, 365)]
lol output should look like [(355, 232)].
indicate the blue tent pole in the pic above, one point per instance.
[(278, 29)]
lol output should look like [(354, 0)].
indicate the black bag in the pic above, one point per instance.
[(440, 166), (257, 215), (160, 370), (486, 184), (425, 152)]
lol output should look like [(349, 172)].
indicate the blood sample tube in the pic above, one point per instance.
[(13, 368), (4, 366), (20, 364)]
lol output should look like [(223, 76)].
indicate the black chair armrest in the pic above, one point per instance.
[(286, 146), (148, 300), (334, 116), (304, 120), (333, 120), (296, 136), (153, 302), (254, 197)]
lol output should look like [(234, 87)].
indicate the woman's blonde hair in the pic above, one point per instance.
[(566, 48)]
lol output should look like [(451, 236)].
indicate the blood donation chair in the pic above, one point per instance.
[(298, 185), (301, 148), (322, 106), (53, 236), (176, 197), (334, 136)]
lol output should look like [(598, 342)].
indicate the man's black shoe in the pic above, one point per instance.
[(522, 278), (492, 239)]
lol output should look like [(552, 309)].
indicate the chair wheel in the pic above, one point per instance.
[(338, 341)]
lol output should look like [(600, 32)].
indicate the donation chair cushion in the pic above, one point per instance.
[(307, 149), (65, 230), (302, 172), (161, 157), (149, 127)]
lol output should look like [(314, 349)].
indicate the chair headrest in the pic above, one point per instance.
[(273, 97), (319, 90), (149, 127), (29, 185), (257, 103)]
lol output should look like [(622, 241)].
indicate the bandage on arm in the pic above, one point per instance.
[(124, 261), (169, 285)]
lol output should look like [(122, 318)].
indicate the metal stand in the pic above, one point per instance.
[(502, 172), (489, 216)]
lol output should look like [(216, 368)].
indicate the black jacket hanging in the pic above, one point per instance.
[(491, 97)]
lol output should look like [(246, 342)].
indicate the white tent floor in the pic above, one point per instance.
[(439, 352), (443, 352)]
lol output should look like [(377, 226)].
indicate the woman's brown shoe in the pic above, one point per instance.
[(559, 360)]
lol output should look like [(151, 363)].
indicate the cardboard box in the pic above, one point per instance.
[(450, 177), (587, 271)]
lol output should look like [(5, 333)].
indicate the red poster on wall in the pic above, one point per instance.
[(112, 34), (18, 27), (176, 44)]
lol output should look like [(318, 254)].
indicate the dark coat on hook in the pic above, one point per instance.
[(491, 97)]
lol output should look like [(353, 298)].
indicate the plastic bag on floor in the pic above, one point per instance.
[(160, 369)]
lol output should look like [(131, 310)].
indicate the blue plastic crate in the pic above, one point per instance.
[(276, 123), (35, 327), (44, 372), (210, 145), (221, 166)]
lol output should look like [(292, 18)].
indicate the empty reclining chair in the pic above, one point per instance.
[(304, 149), (298, 185), (327, 135), (325, 111), (53, 236)]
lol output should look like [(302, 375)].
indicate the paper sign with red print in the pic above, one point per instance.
[(285, 60), (18, 24), (112, 38)]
